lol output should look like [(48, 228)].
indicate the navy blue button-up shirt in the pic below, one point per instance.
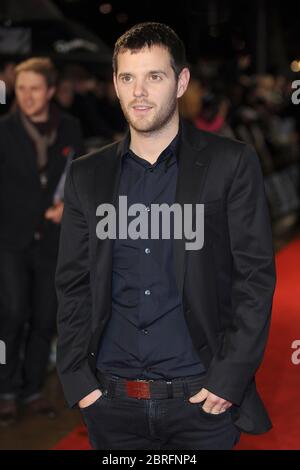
[(147, 336)]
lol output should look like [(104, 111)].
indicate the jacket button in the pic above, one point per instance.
[(92, 354)]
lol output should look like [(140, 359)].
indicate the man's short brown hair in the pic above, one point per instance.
[(150, 34), (41, 65)]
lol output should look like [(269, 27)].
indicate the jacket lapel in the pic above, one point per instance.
[(193, 163), (106, 183)]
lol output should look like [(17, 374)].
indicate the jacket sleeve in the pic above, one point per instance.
[(74, 299), (253, 282)]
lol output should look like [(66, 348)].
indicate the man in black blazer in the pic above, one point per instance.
[(159, 341), (37, 143)]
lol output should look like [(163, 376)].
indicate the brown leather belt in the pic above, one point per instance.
[(149, 389), (138, 388)]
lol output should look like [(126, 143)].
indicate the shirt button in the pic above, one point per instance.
[(147, 209), (147, 251), (147, 292), (37, 236)]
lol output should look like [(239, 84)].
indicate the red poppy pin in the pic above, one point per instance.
[(66, 151)]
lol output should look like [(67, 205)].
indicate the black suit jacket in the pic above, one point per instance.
[(23, 202), (227, 286)]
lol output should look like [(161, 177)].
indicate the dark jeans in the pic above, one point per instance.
[(28, 309), (171, 423)]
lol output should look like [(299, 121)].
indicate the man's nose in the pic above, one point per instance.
[(140, 88), (27, 95)]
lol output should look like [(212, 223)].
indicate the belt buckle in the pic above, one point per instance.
[(138, 388)]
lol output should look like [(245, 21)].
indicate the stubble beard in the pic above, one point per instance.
[(157, 122)]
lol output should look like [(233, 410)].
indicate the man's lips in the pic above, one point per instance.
[(141, 108)]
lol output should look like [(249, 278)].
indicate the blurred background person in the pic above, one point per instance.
[(37, 143)]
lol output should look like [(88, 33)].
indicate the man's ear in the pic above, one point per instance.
[(115, 85), (183, 81)]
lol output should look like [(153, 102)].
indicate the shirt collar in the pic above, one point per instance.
[(167, 155)]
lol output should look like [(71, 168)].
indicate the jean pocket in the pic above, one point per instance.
[(214, 416)]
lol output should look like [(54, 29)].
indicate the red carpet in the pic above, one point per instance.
[(278, 379)]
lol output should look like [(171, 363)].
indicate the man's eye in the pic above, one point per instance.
[(126, 78), (155, 77)]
